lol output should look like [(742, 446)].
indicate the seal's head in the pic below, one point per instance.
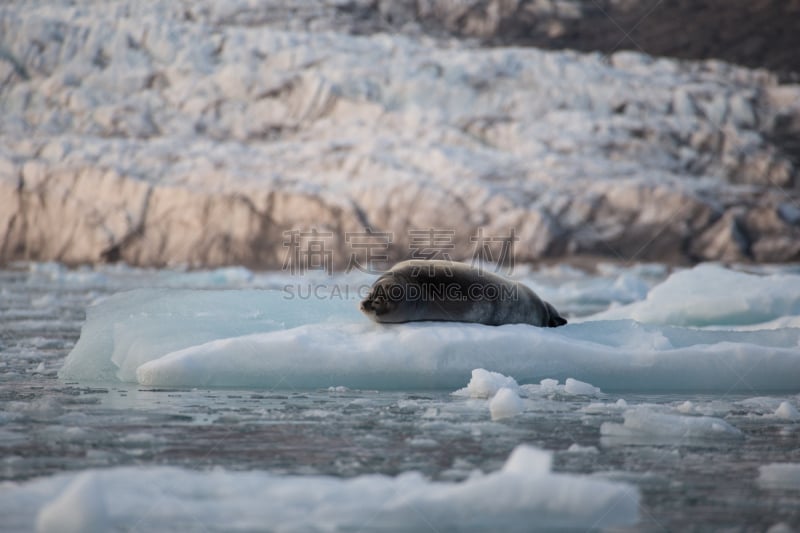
[(384, 300)]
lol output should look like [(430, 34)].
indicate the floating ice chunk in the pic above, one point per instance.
[(139, 439), (710, 294), (603, 407), (139, 326), (485, 384), (183, 338), (80, 508), (686, 407), (502, 391), (546, 387), (581, 388), (640, 479), (769, 407), (505, 404), (527, 460), (572, 288), (577, 448), (524, 495), (781, 527), (779, 476), (787, 411), (549, 385), (422, 442), (760, 405), (646, 424)]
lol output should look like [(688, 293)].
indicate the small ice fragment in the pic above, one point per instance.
[(581, 388), (603, 407), (781, 527), (422, 442), (787, 411), (577, 448), (549, 384), (779, 476), (485, 384), (506, 403), (528, 461), (138, 439), (644, 423), (686, 407)]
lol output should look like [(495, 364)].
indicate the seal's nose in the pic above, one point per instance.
[(366, 306)]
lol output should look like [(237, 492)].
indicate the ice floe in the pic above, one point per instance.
[(524, 495), (646, 425), (268, 339)]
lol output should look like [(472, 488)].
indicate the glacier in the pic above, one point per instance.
[(168, 135)]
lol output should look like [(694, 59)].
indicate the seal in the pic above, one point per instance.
[(418, 290)]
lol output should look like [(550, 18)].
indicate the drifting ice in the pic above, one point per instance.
[(185, 338), (525, 495)]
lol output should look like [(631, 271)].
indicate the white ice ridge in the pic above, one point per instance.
[(524, 495), (264, 339)]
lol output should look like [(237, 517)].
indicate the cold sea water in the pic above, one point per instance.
[(690, 458)]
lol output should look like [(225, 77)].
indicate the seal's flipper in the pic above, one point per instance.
[(555, 319)]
